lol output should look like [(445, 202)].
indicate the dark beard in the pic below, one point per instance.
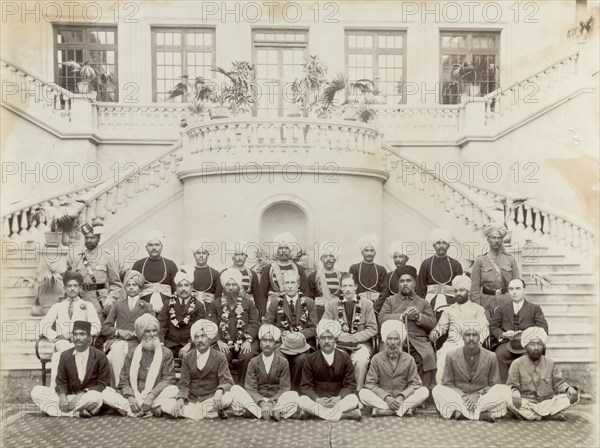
[(231, 297), (461, 299), (406, 292), (534, 356)]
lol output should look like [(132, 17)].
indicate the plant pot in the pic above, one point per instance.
[(350, 112), (221, 112), (38, 310), (507, 240), (66, 239), (53, 239), (85, 88), (294, 110)]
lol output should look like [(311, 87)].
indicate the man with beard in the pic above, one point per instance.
[(206, 278), (205, 382), (237, 318), (250, 284), (179, 314), (508, 323), (393, 385), (271, 281), (266, 393), (324, 284), (398, 256), (148, 376), (470, 384), (119, 326), (453, 320), (158, 271), (99, 271), (328, 385), (296, 317), (359, 325), (538, 388), (368, 275), (437, 272), (417, 315), (62, 315), (492, 272), (83, 373)]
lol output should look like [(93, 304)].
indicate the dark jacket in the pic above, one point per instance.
[(97, 373), (171, 335), (249, 316), (319, 379), (503, 319), (199, 385), (260, 384)]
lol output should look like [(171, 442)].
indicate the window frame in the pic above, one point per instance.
[(183, 48)]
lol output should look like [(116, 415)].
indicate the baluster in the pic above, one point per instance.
[(101, 206)]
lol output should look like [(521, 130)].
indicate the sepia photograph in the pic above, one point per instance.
[(338, 224)]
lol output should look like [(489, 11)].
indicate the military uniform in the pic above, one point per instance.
[(490, 277), (99, 272)]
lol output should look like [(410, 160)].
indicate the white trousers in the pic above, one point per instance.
[(448, 400), (198, 410), (369, 398), (441, 357), (333, 414), (287, 403), (533, 410), (116, 358), (48, 401), (59, 346), (115, 400), (360, 361)]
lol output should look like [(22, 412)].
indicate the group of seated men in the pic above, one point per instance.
[(296, 354)]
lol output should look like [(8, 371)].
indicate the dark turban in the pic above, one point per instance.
[(72, 275), (410, 270), (82, 325)]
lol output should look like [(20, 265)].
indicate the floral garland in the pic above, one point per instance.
[(283, 317), (240, 336), (188, 315), (355, 320)]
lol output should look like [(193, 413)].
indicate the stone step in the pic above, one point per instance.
[(558, 285), (561, 296), (534, 257), (568, 308), (17, 270), (549, 266)]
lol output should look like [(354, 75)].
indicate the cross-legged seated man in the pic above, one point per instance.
[(538, 388), (148, 375), (119, 326), (267, 393), (393, 384), (83, 373), (470, 383), (328, 385), (205, 382)]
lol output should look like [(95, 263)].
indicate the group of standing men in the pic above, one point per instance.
[(301, 344)]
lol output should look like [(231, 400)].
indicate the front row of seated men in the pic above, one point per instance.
[(535, 388)]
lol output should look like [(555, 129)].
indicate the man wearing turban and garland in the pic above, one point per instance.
[(324, 284), (538, 390), (206, 278), (205, 381), (238, 321), (179, 314), (393, 386), (119, 326), (271, 280), (83, 373), (493, 271), (508, 323), (437, 272), (158, 271), (368, 275), (418, 317), (250, 283), (359, 325), (266, 393), (453, 320), (61, 315), (470, 386), (148, 375), (328, 385)]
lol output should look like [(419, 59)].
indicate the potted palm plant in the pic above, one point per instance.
[(49, 289), (465, 75), (95, 82), (240, 93), (63, 220), (306, 90), (196, 93), (355, 98)]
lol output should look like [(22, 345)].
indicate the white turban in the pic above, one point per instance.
[(208, 326), (231, 273), (396, 246), (440, 235), (143, 322), (269, 329), (184, 274), (154, 235), (368, 240), (461, 281), (329, 248), (285, 239), (136, 276), (199, 243), (393, 325), (473, 325), (494, 228), (531, 333), (333, 326)]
